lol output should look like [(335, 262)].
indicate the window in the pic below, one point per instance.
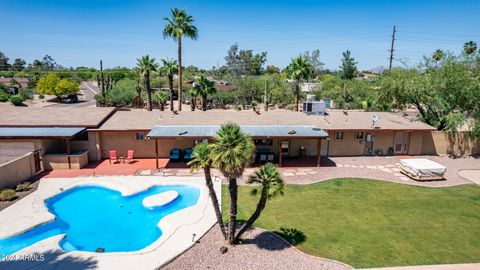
[(139, 136), (359, 136), (200, 141), (339, 136), (263, 142)]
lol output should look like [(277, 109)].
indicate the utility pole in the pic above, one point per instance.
[(391, 49), (102, 78)]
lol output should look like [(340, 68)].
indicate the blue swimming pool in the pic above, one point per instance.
[(95, 217)]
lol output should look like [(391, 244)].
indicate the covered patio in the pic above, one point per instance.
[(273, 142)]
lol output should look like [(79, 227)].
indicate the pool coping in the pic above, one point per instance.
[(177, 228)]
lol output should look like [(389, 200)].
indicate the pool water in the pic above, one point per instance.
[(95, 217)]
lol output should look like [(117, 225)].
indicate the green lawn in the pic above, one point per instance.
[(368, 223)]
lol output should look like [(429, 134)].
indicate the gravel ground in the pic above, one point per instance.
[(262, 250)]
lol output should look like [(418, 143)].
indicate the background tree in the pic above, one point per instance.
[(244, 62), (4, 65), (178, 26), (269, 178), (204, 88), (161, 98), (348, 66), (231, 152), (298, 70), (271, 69), (201, 160), (51, 84), (469, 47), (146, 65), (437, 56), (48, 63), (313, 58), (169, 68)]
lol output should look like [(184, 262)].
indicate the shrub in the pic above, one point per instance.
[(41, 96), (7, 195), (25, 94), (4, 96), (16, 100), (23, 187)]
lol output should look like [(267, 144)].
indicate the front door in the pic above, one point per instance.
[(401, 142)]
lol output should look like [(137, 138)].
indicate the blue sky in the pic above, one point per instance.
[(80, 33)]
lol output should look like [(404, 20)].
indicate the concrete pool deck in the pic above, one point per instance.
[(178, 228)]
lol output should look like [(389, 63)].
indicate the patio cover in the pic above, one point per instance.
[(175, 131), (38, 132)]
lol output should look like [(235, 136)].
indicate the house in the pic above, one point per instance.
[(37, 138), (285, 134), (310, 86), (13, 84)]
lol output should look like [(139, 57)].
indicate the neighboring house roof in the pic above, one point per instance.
[(336, 120), (40, 132), (87, 117), (20, 80), (254, 131)]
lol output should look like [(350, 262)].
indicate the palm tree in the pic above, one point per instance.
[(298, 69), (145, 66), (161, 97), (469, 47), (231, 152), (178, 26), (201, 160), (170, 67), (437, 56), (205, 87), (193, 94), (269, 178)]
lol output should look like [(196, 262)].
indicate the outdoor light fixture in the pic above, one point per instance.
[(193, 237)]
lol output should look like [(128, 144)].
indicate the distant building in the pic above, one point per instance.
[(310, 87), (13, 84)]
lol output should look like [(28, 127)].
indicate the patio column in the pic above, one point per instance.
[(156, 152), (280, 153), (319, 148), (67, 146)]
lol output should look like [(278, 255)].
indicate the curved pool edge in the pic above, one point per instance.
[(177, 227)]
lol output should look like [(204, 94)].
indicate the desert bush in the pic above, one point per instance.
[(16, 100), (7, 195), (23, 187)]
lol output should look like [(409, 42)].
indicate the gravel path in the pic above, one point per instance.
[(262, 250)]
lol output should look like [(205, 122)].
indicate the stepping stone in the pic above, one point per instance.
[(354, 166), (371, 167), (312, 172), (160, 199), (395, 169), (301, 173), (390, 166), (398, 174), (380, 166), (145, 172), (288, 174), (385, 170), (404, 178), (347, 165), (340, 165), (361, 166)]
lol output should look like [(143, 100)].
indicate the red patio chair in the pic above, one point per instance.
[(113, 156), (130, 156)]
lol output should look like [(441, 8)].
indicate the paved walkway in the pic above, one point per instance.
[(382, 168), (468, 266)]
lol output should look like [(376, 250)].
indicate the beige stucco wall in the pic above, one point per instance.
[(124, 141), (349, 146), (446, 143), (17, 171), (60, 161)]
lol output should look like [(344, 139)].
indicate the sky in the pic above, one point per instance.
[(81, 32)]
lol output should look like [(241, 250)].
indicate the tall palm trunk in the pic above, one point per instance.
[(193, 104), (233, 188), (170, 84), (179, 73), (260, 206), (213, 196), (297, 93), (204, 102), (148, 90)]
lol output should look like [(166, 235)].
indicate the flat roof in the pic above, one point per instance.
[(41, 132), (335, 120), (88, 117), (173, 131)]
